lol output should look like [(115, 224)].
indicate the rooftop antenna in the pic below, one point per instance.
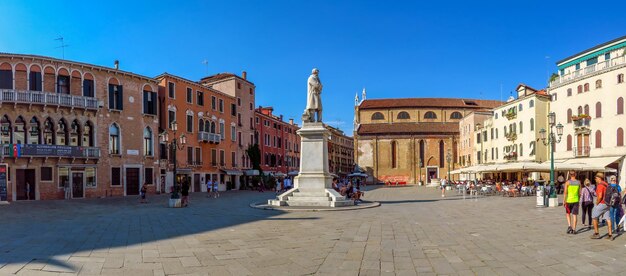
[(63, 45), (206, 66)]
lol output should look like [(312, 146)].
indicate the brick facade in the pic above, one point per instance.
[(278, 141)]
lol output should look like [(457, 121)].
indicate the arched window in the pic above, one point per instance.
[(403, 115), (532, 124), (430, 115), (5, 130), (147, 142), (496, 133), (598, 139), (6, 76), (620, 137), (531, 104), (580, 110), (63, 82), (496, 115), (586, 87), (520, 107), (521, 151), (34, 131), (201, 125), (580, 89), (569, 142), (456, 115), (569, 115), (48, 132), (114, 139), (521, 129), (598, 110), (378, 116), (620, 78), (569, 92), (88, 135), (586, 112), (422, 148), (620, 105), (207, 126), (393, 154), (441, 155), (213, 128), (598, 84), (19, 133), (74, 133), (222, 131), (62, 133)]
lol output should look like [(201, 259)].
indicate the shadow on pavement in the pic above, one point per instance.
[(50, 232)]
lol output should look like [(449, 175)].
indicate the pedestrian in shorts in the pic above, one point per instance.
[(602, 209), (571, 194)]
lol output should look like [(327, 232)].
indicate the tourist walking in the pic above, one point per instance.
[(444, 182), (142, 193), (587, 195), (571, 194), (614, 201), (209, 187), (601, 209), (185, 194), (215, 189)]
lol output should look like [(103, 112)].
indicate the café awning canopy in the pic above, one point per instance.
[(575, 164), (587, 164), (232, 172)]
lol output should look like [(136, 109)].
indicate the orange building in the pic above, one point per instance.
[(208, 120), (75, 130)]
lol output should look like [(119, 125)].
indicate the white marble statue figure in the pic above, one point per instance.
[(314, 98)]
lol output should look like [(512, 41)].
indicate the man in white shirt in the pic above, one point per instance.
[(209, 187), (444, 182)]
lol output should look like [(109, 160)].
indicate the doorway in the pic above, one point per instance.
[(132, 181), (196, 183), (78, 184), (432, 173), (25, 184)]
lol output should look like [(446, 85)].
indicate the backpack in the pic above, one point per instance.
[(612, 196)]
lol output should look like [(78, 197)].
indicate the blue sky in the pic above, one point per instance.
[(392, 48)]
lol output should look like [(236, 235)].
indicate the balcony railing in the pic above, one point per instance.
[(46, 98), (582, 123), (598, 67), (582, 151), (36, 150), (204, 136)]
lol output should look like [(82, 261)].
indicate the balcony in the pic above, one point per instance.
[(582, 124), (208, 137), (35, 150), (47, 99), (511, 156), (597, 68), (582, 151)]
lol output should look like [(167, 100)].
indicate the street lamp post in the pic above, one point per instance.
[(550, 140), (175, 144)]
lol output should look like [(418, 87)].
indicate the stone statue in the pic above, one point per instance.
[(314, 98)]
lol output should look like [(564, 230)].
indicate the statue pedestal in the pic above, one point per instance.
[(312, 187)]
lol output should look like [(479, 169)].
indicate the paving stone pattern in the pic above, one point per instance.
[(414, 232)]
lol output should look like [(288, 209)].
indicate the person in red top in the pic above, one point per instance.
[(602, 208)]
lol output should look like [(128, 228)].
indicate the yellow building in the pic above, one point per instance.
[(410, 140)]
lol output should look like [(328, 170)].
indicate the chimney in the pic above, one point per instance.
[(244, 75), (291, 121), (116, 63)]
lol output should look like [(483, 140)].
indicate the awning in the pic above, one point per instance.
[(232, 172), (523, 166), (251, 172), (293, 173), (586, 164)]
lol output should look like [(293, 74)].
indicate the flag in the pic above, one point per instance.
[(15, 148), (19, 150), (10, 149)]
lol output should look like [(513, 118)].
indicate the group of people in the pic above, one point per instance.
[(349, 189), (607, 206)]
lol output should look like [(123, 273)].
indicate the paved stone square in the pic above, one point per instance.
[(415, 231)]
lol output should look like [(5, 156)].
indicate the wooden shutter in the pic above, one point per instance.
[(120, 97)]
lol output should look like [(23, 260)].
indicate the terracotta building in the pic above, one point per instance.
[(409, 140), (278, 141), (340, 152), (208, 119), (244, 93), (70, 126)]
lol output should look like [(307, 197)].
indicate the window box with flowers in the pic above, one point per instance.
[(511, 156)]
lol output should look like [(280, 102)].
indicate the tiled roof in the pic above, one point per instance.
[(221, 76), (408, 128), (429, 102)]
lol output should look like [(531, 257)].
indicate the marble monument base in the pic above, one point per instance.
[(312, 186)]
